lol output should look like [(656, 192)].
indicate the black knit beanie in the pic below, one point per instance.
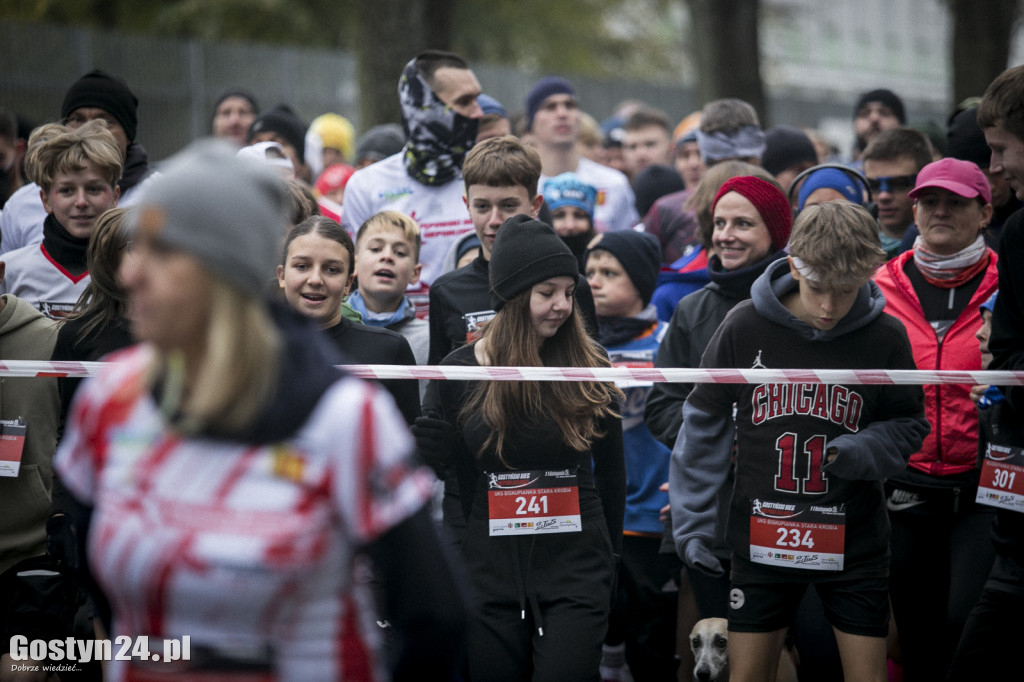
[(286, 123), (785, 147), (525, 252), (541, 90), (236, 92), (638, 252), (965, 140), (109, 93), (886, 97), (654, 182)]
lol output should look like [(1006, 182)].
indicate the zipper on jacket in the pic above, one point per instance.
[(938, 405)]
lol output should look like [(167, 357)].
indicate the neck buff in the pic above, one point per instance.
[(136, 167), (67, 250), (577, 243), (747, 142), (947, 272), (438, 138), (891, 245), (614, 331)]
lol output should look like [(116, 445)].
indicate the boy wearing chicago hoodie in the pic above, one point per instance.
[(807, 503)]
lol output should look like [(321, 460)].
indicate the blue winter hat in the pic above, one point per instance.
[(489, 105), (990, 304), (542, 89), (568, 190), (832, 178), (613, 132)]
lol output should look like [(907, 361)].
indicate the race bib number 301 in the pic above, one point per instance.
[(1002, 478), (804, 536), (530, 502)]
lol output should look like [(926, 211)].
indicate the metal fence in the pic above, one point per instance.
[(177, 82)]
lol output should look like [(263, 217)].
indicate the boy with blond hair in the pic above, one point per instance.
[(808, 505), (387, 262), (77, 170)]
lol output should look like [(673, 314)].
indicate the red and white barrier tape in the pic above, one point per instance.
[(32, 368)]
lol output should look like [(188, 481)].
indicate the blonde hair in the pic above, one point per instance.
[(36, 139), (66, 150), (237, 374), (575, 407), (589, 134), (409, 227), (839, 241)]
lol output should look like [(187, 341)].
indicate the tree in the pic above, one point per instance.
[(609, 38), (382, 55), (981, 43), (727, 50)]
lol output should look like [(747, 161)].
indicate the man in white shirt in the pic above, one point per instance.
[(553, 119), (437, 93)]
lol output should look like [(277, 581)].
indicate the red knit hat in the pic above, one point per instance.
[(769, 201)]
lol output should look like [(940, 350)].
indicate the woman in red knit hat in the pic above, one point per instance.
[(751, 220)]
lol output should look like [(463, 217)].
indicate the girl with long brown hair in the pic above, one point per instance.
[(540, 467)]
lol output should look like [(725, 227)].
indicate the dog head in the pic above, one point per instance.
[(709, 641)]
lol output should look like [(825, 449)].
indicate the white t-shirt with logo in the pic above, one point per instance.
[(439, 211), (33, 275)]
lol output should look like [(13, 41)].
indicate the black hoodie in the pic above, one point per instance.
[(875, 428)]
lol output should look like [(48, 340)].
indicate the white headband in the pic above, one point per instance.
[(805, 270)]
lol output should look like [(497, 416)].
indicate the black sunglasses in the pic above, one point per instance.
[(892, 183)]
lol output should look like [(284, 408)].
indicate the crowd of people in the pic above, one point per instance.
[(224, 478)]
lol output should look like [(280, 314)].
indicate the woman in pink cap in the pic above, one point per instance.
[(941, 546)]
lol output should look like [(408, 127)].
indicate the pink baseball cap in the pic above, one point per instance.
[(959, 177)]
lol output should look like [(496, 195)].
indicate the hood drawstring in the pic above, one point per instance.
[(534, 604), (518, 572), (524, 583)]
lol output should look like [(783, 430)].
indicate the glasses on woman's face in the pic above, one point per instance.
[(892, 183)]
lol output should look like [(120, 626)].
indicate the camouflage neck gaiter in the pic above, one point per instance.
[(438, 137)]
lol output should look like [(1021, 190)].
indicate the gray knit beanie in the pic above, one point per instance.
[(525, 252), (228, 212)]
